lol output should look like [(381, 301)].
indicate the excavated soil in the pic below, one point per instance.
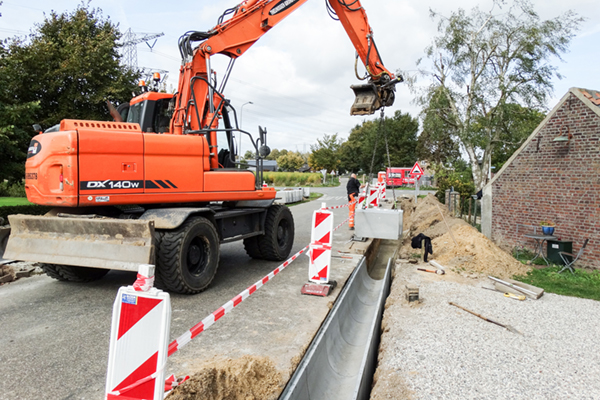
[(456, 244), (245, 378)]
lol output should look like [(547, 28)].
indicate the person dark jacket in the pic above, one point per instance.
[(353, 187)]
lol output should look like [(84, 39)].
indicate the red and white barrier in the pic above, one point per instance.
[(321, 239), (381, 184), (140, 329), (138, 342), (373, 200)]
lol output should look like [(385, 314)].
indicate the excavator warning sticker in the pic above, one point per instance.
[(34, 148), (110, 184), (282, 6)]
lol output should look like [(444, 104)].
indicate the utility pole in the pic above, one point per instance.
[(130, 41)]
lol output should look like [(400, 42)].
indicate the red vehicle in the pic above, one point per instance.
[(398, 177)]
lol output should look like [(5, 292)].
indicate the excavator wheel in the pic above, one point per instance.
[(188, 256), (252, 248), (72, 273), (277, 242)]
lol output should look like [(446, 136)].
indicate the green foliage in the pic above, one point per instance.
[(292, 179), (67, 68), (437, 141), (290, 162), (459, 177), (486, 69), (249, 155), (9, 189), (32, 209), (275, 154), (582, 284), (356, 153), (325, 154)]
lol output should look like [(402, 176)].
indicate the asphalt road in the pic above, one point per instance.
[(54, 335)]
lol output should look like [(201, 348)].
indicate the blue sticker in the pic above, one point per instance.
[(129, 299)]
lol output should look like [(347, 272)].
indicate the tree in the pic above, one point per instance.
[(66, 69), (483, 66), (275, 154), (16, 119), (436, 143), (325, 154), (290, 161), (356, 153)]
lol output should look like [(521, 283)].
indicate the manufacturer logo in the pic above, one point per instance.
[(282, 6), (34, 148), (110, 184), (31, 176), (102, 199), (129, 299)]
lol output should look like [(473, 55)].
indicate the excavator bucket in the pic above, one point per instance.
[(367, 99), (97, 243)]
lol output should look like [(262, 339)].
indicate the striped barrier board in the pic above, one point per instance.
[(321, 239), (138, 344)]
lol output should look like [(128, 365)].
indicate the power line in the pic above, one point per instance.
[(130, 42)]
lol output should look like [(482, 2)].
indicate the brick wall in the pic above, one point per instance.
[(555, 181)]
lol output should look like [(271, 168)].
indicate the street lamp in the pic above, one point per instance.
[(241, 127)]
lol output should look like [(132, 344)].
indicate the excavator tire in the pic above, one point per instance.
[(277, 242), (72, 273), (252, 248), (188, 256)]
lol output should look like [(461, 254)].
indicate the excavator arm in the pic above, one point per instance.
[(200, 103)]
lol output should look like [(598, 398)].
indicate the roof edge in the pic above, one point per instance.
[(577, 93)]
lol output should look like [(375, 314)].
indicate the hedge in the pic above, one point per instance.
[(32, 209)]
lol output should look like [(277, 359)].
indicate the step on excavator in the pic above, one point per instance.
[(153, 186)]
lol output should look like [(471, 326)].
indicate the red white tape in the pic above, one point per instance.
[(207, 322), (342, 206)]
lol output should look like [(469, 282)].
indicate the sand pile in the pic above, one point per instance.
[(473, 253), (245, 378)]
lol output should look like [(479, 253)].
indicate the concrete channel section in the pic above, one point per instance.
[(341, 360)]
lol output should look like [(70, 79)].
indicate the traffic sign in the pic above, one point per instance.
[(416, 169)]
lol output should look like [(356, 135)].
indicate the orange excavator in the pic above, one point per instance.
[(153, 187)]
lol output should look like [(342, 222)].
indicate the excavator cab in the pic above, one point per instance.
[(151, 110)]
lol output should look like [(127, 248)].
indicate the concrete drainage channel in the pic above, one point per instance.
[(341, 361)]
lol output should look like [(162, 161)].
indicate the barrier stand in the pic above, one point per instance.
[(319, 253), (373, 200), (138, 341), (351, 211), (381, 183)]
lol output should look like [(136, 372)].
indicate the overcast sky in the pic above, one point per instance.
[(298, 75)]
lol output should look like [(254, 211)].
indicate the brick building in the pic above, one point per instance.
[(555, 175)]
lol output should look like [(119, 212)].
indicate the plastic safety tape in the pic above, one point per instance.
[(342, 206), (207, 322)]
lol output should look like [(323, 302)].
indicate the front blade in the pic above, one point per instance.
[(98, 243)]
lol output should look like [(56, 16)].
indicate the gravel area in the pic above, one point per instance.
[(433, 350)]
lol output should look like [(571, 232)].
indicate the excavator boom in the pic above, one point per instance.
[(153, 186)]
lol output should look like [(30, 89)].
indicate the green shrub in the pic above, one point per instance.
[(12, 189), (32, 209), (292, 179)]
